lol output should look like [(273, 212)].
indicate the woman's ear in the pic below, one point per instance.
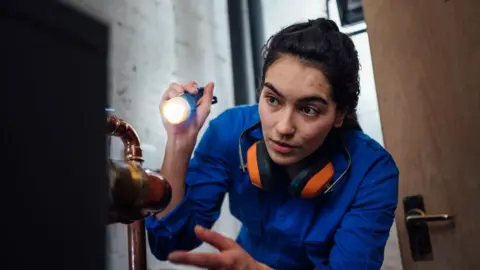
[(339, 118)]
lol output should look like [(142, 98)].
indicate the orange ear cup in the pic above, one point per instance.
[(306, 185), (318, 182), (252, 166)]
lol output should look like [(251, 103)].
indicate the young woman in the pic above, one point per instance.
[(311, 189)]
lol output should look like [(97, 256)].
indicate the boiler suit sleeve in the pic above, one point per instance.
[(359, 242), (206, 185)]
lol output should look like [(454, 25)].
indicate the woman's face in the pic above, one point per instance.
[(296, 110)]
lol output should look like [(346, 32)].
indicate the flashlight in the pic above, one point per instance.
[(181, 108)]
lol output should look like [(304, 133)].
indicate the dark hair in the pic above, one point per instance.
[(320, 43)]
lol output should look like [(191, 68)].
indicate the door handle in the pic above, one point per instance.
[(416, 222), (416, 215)]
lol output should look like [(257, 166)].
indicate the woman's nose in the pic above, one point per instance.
[(285, 126)]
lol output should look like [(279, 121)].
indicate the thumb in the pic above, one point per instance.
[(205, 103), (215, 239)]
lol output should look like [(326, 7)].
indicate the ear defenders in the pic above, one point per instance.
[(315, 179), (308, 183)]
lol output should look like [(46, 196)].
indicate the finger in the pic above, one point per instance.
[(191, 87), (174, 89), (204, 260), (206, 101), (215, 239)]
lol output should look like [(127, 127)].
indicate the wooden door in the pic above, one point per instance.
[(426, 60)]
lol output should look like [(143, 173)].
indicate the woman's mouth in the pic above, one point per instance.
[(281, 147)]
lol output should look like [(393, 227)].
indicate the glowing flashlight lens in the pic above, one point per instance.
[(176, 110)]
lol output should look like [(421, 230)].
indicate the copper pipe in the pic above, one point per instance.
[(137, 258), (117, 127)]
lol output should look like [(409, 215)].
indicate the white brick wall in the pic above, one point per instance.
[(155, 42)]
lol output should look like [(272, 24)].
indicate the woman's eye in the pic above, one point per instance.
[(272, 100), (309, 111)]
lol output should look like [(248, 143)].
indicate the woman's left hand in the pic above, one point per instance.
[(231, 255)]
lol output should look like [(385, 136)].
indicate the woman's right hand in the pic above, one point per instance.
[(187, 132), (181, 139)]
